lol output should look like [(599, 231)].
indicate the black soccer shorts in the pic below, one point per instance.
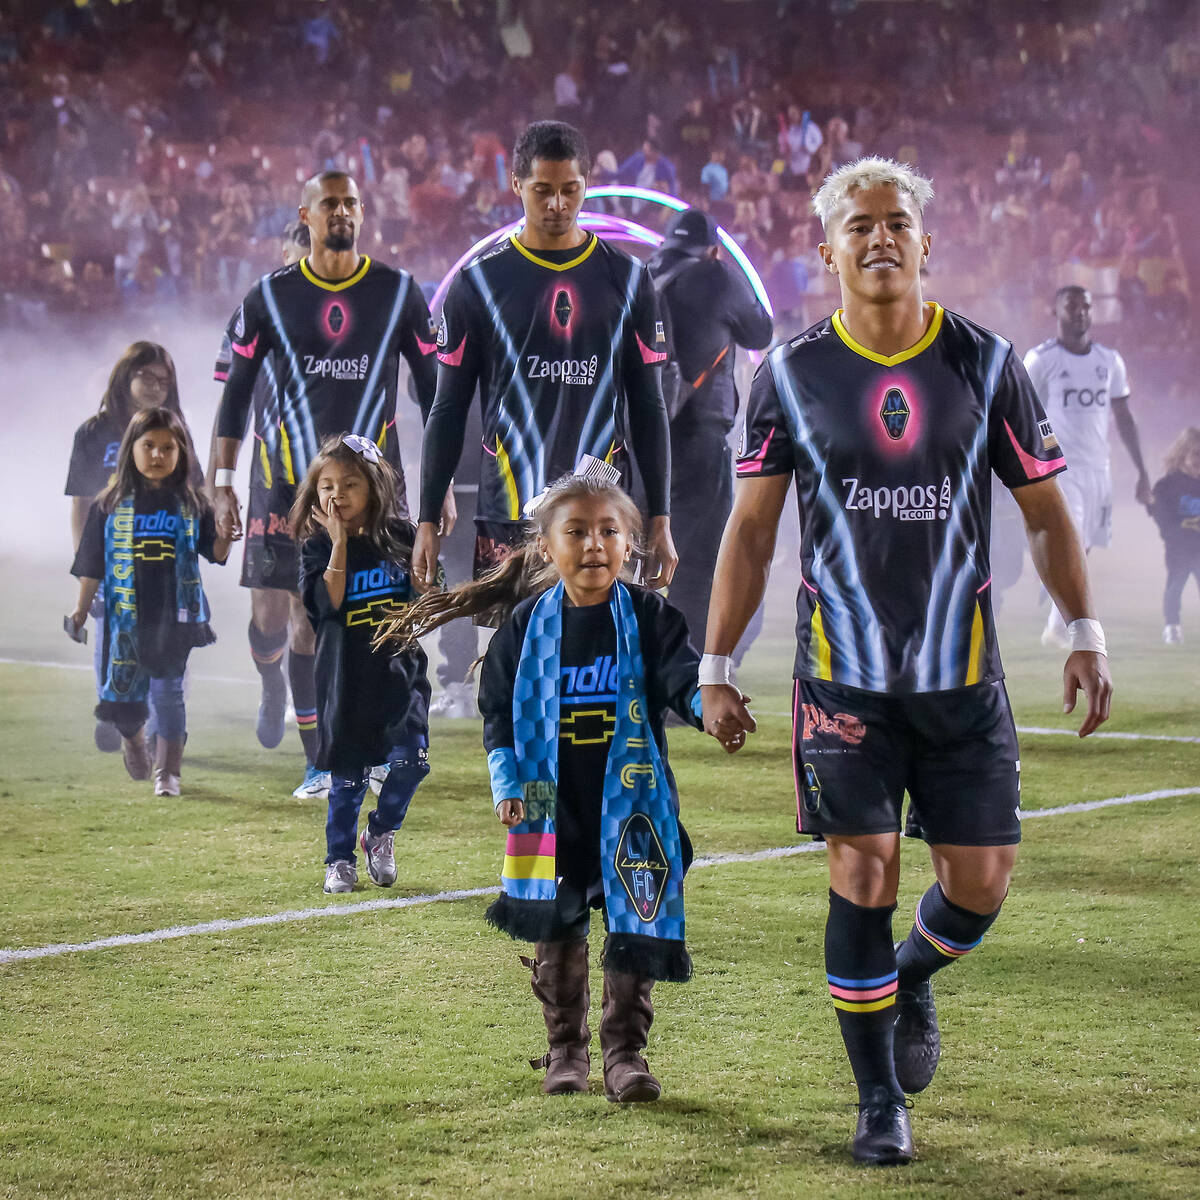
[(270, 559), (856, 753)]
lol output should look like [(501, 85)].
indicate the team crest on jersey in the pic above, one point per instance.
[(641, 865), (894, 413), (1049, 441), (562, 308), (1102, 372), (337, 318)]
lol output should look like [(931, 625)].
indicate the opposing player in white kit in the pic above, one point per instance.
[(1079, 382)]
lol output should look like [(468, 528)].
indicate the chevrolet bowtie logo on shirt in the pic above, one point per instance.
[(587, 727)]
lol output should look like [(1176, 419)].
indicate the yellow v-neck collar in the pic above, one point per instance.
[(890, 360), (329, 285), (592, 242)]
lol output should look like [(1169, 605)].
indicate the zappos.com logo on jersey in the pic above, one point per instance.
[(915, 502), (337, 368), (562, 370)]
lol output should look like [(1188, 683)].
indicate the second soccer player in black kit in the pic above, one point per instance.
[(560, 332), (335, 325)]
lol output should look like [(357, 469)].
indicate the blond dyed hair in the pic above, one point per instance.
[(864, 174), (1181, 447)]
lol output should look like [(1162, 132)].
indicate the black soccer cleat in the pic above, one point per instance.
[(883, 1137), (916, 1041)]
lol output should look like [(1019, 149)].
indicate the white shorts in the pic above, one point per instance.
[(1088, 494)]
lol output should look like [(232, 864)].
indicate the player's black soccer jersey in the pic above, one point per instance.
[(892, 458), (335, 351), (562, 344)]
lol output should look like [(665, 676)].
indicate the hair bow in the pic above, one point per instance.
[(362, 445), (589, 467)]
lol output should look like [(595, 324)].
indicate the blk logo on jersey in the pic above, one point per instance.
[(641, 865), (336, 318), (895, 413), (562, 308)]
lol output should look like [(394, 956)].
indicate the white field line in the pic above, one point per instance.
[(343, 910), (245, 679)]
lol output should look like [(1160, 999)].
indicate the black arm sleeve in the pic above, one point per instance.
[(418, 341), (496, 679), (672, 662), (249, 343), (314, 558), (89, 558), (643, 353), (460, 352), (749, 323)]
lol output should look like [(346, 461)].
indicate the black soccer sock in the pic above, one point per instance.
[(861, 967), (942, 932), (267, 648), (304, 700)]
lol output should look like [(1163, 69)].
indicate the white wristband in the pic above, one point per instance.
[(223, 477), (715, 668), (1086, 634)]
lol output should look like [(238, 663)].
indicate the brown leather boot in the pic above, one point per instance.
[(560, 982), (624, 1027), (136, 754), (168, 766)]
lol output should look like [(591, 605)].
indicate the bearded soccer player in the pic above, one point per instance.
[(560, 332), (891, 416), (1080, 382), (335, 325)]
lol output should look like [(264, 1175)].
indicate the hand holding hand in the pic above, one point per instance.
[(227, 512), (726, 715), (660, 549), (425, 556)]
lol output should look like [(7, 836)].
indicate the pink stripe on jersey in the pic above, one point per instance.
[(986, 584), (246, 351), (752, 466), (425, 347), (455, 357), (650, 356), (220, 376), (1034, 467)]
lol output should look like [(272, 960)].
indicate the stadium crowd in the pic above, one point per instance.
[(151, 151)]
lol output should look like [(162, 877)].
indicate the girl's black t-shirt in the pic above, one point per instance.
[(587, 723), (93, 456), (162, 637)]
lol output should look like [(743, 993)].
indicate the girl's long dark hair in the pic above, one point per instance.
[(118, 404), (127, 479), (390, 534), (521, 574)]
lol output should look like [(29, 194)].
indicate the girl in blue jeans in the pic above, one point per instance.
[(143, 539), (372, 706)]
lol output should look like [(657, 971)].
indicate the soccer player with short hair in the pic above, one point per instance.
[(1080, 382), (560, 332), (891, 416), (335, 325)]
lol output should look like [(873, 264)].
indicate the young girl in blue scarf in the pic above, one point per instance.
[(143, 538), (573, 691)]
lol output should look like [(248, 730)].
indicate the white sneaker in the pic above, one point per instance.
[(380, 856), (457, 700), (314, 786), (1173, 635), (377, 776), (340, 876)]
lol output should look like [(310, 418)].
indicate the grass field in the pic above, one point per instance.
[(383, 1053)]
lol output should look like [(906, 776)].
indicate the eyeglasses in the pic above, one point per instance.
[(156, 378)]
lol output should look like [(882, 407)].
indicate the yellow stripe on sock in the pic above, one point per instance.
[(865, 1006)]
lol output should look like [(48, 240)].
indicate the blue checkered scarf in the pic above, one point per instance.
[(640, 850), (126, 681)]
